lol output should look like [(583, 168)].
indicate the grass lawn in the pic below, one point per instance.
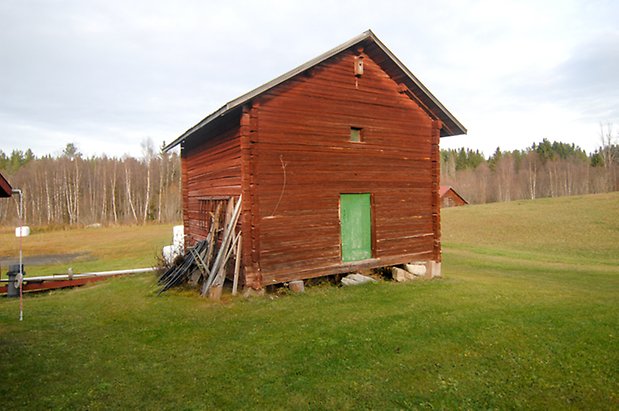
[(99, 249), (526, 316)]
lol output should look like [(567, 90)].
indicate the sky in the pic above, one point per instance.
[(111, 75)]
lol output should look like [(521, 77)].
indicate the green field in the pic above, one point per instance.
[(98, 249), (526, 316)]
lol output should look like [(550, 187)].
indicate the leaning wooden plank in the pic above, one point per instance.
[(222, 250), (199, 262), (200, 257), (214, 231), (220, 275), (202, 267), (229, 210), (228, 237), (237, 265), (214, 292)]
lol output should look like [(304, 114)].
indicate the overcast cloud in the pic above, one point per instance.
[(106, 75)]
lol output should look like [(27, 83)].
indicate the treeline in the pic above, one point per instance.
[(546, 169), (70, 189)]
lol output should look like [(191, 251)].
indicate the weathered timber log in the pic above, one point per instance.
[(237, 265), (228, 235)]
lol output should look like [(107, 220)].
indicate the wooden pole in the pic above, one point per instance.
[(217, 286), (222, 251), (237, 266)]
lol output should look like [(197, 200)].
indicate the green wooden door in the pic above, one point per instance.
[(356, 226)]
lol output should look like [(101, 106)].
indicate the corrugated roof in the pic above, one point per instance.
[(451, 125)]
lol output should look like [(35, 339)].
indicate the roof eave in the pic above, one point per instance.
[(5, 187), (460, 129), (444, 113), (267, 86)]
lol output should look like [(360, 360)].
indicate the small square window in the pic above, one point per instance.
[(356, 134)]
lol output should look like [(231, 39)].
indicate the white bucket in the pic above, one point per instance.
[(168, 253)]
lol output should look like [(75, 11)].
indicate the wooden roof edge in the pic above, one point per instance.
[(444, 189), (261, 89), (366, 35), (5, 188), (454, 127), (461, 197)]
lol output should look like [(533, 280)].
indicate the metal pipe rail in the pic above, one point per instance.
[(64, 277), (52, 282)]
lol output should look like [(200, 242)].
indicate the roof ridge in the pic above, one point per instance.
[(368, 34)]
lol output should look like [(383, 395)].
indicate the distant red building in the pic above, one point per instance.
[(450, 198), (5, 187)]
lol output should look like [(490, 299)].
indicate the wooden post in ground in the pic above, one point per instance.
[(221, 254), (214, 292)]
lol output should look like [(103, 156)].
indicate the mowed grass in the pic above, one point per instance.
[(577, 230), (521, 320), (100, 249)]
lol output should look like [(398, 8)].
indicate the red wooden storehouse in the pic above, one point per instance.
[(5, 188), (337, 162), (450, 197)]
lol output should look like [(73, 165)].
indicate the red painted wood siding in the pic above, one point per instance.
[(451, 199), (211, 166), (303, 160)]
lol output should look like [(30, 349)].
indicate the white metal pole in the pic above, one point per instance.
[(21, 271)]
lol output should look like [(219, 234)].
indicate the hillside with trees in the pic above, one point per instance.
[(72, 190), (546, 169)]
